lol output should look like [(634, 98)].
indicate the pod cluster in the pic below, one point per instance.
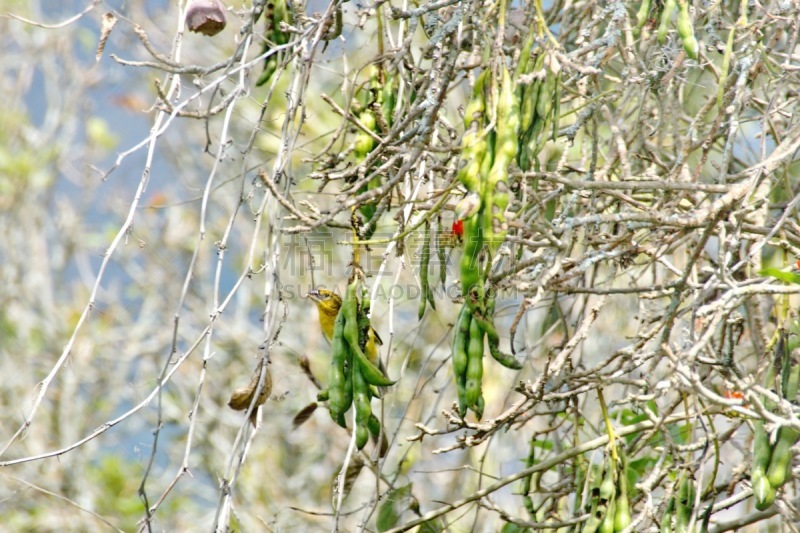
[(489, 148), (680, 507), (275, 12), (609, 502), (539, 100), (351, 375), (486, 155), (374, 107), (663, 13), (772, 461)]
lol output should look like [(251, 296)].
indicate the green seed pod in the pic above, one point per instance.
[(762, 451), (686, 31), (270, 66), (666, 520), (470, 259), (460, 358), (607, 525), (544, 104), (388, 98), (530, 101), (608, 486), (666, 18), (364, 143), (726, 63), (524, 56), (479, 406), (781, 460), (642, 15), (340, 398), (684, 504), (474, 366), (361, 400), (622, 516), (280, 14), (372, 374), (762, 489), (476, 108), (474, 141), (493, 339), (495, 192), (374, 426), (362, 436)]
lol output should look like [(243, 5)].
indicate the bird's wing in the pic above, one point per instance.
[(378, 340)]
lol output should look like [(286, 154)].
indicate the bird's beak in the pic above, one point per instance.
[(314, 295)]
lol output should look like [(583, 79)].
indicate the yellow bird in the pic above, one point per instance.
[(328, 305)]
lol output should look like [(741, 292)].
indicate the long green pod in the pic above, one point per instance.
[(686, 31), (470, 259), (371, 373), (780, 462), (459, 349), (622, 516), (764, 492), (364, 141), (337, 383), (684, 503), (270, 66), (642, 15), (426, 294), (726, 64), (474, 365), (666, 519), (533, 92), (607, 495), (361, 401), (524, 56), (280, 14), (388, 98), (607, 525), (544, 104), (495, 192), (474, 141), (666, 18), (762, 451), (493, 340)]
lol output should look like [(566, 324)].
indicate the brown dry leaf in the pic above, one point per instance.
[(109, 21), (353, 469)]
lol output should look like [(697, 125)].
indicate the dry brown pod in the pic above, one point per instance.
[(243, 396), (206, 17)]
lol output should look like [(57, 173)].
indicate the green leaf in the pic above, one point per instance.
[(788, 277), (543, 444), (397, 502)]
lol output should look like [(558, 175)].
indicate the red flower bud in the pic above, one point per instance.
[(458, 228)]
